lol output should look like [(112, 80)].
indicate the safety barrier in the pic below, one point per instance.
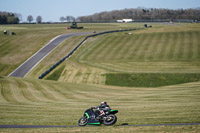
[(66, 57)]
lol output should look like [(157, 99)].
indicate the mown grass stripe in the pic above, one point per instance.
[(58, 93), (136, 47), (17, 92), (109, 50), (198, 46), (190, 45), (65, 94), (72, 94), (117, 50), (155, 47), (144, 48), (26, 91), (195, 42), (54, 93), (6, 91), (139, 46), (171, 51), (2, 97), (97, 48), (23, 89), (73, 73), (149, 48), (158, 46), (177, 48), (91, 77), (182, 44), (85, 76), (185, 46), (46, 93), (169, 46), (106, 53), (155, 67), (131, 49), (36, 92), (6, 46), (165, 45), (66, 73), (121, 51)]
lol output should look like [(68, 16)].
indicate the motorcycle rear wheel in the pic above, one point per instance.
[(82, 121), (110, 120)]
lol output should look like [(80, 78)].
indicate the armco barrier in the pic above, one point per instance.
[(66, 57)]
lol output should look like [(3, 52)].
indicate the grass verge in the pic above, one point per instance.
[(112, 129), (150, 79), (56, 74)]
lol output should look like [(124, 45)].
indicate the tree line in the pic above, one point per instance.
[(9, 18), (143, 14), (38, 19), (15, 18), (67, 18)]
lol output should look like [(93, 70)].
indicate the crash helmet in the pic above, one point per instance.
[(103, 104)]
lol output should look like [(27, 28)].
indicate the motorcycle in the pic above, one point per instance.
[(92, 118)]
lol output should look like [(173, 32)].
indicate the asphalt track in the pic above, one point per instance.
[(54, 126), (29, 64)]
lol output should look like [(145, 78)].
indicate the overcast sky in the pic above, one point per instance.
[(52, 10)]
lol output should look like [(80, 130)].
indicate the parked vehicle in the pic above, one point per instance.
[(75, 26)]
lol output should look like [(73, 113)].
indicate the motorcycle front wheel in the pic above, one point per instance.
[(110, 120), (82, 121)]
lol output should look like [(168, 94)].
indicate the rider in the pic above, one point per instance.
[(103, 109)]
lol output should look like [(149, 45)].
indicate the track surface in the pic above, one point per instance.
[(29, 64), (54, 126)]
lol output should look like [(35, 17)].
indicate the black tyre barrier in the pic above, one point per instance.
[(66, 57)]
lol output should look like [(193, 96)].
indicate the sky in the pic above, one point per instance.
[(52, 10)]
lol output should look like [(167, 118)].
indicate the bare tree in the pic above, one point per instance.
[(19, 16), (70, 18), (39, 19), (62, 19), (30, 18)]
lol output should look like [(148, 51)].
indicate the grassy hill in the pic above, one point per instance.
[(40, 102), (166, 51), (30, 38), (163, 50), (162, 53)]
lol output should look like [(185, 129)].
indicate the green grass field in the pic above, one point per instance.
[(165, 52), (150, 79), (164, 49), (40, 102), (145, 52), (30, 38)]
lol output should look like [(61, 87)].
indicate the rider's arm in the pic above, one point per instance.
[(107, 108), (95, 107)]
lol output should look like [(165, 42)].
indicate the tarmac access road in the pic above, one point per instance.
[(30, 63)]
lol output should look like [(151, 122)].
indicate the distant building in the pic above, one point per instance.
[(125, 21)]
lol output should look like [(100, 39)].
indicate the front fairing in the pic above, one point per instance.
[(90, 115), (112, 111)]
